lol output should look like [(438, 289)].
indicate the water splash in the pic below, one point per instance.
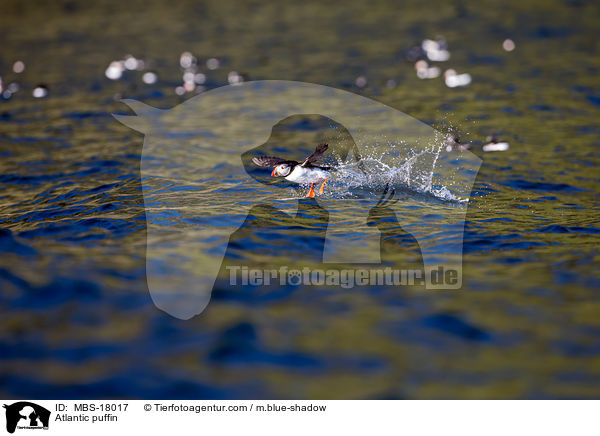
[(385, 166)]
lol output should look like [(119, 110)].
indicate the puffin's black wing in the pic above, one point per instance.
[(267, 161), (319, 151)]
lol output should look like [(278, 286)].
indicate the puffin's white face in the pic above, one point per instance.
[(281, 170)]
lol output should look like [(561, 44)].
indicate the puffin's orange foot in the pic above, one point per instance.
[(311, 193), (322, 186)]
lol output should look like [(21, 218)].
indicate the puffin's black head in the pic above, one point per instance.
[(281, 170), (492, 138)]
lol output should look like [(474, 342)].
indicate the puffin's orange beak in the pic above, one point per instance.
[(273, 172)]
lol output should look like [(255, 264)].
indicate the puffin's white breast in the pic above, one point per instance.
[(307, 175)]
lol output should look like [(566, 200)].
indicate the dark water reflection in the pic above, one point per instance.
[(76, 316)]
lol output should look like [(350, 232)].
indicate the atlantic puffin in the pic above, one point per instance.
[(302, 173), (493, 144)]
